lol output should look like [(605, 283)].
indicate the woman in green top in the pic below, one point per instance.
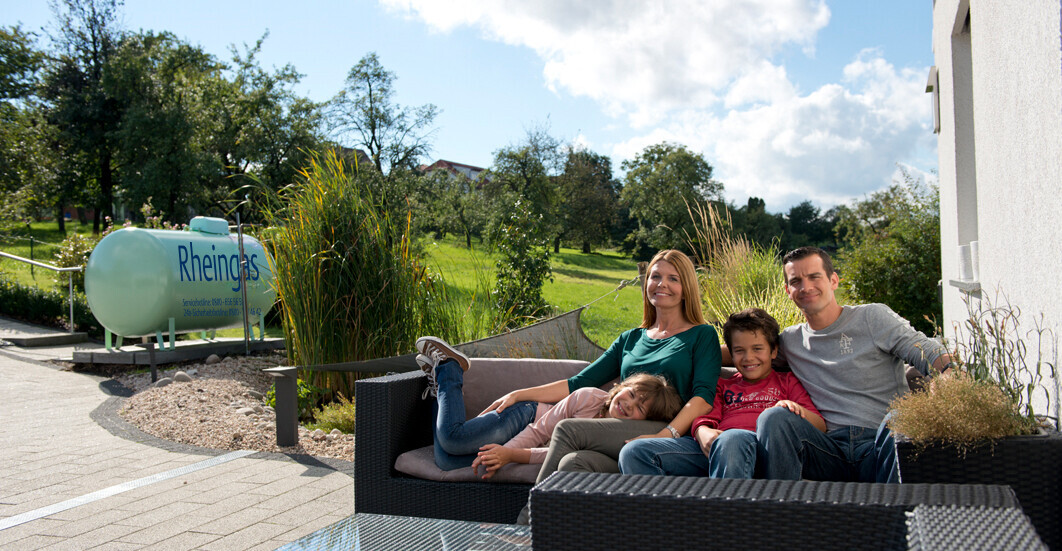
[(674, 340)]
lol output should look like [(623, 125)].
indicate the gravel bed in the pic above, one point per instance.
[(221, 408)]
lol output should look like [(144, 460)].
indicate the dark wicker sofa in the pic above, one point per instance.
[(393, 419)]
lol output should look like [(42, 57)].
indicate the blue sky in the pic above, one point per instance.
[(788, 99)]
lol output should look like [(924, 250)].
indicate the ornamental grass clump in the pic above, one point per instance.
[(353, 283), (1000, 370), (736, 273), (957, 410)]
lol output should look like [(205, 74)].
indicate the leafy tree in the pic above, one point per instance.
[(161, 142), (806, 225), (589, 199), (19, 63), (26, 163), (756, 224), (450, 203), (659, 184), (79, 106), (891, 250), (365, 112), (194, 125), (269, 130), (525, 173)]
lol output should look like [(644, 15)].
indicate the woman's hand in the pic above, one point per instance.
[(500, 404), (492, 457)]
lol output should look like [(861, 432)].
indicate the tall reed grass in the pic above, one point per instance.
[(736, 273), (351, 281)]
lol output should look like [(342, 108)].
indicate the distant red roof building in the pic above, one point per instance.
[(457, 169)]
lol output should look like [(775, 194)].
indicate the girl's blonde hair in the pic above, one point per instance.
[(662, 401), (691, 288)]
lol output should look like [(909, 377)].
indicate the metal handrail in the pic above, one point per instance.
[(54, 268)]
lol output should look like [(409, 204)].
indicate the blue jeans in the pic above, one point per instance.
[(660, 456), (796, 449), (457, 440), (734, 454)]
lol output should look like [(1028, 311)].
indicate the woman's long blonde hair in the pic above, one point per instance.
[(691, 288)]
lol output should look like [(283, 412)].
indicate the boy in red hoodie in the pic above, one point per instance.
[(727, 435)]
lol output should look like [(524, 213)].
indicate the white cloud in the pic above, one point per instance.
[(832, 145), (639, 59)]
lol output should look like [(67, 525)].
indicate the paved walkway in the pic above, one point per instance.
[(73, 475)]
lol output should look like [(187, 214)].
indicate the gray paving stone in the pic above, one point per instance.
[(33, 543), (309, 527), (69, 529), (237, 521), (164, 530), (187, 540), (103, 534), (297, 516), (154, 510), (116, 546), (247, 538)]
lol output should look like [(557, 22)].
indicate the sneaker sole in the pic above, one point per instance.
[(450, 351)]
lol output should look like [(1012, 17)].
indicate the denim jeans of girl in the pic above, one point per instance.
[(456, 439)]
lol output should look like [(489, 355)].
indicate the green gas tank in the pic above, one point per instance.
[(136, 280)]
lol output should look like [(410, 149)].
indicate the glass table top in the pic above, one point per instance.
[(369, 532)]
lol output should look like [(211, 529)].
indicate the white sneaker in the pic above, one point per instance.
[(427, 365), (439, 350)]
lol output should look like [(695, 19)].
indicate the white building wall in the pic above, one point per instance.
[(1014, 117)]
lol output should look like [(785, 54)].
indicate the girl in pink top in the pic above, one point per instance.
[(526, 427)]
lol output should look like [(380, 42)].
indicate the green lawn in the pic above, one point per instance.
[(578, 279), (46, 240)]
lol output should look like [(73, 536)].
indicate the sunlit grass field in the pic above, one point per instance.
[(578, 279)]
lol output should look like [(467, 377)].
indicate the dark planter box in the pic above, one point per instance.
[(1031, 465)]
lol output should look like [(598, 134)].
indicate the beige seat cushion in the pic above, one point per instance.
[(486, 380), (420, 463)]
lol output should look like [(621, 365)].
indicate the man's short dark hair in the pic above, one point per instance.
[(805, 252), (752, 320)]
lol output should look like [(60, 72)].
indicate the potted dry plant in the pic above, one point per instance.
[(978, 425)]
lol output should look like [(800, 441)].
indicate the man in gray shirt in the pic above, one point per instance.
[(851, 361)]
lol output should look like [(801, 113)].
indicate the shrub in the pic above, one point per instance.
[(957, 410), (74, 251), (309, 396), (46, 307), (891, 250), (336, 415), (523, 266)]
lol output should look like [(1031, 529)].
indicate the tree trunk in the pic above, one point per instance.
[(106, 199), (556, 245), (586, 247), (60, 218)]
